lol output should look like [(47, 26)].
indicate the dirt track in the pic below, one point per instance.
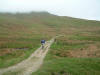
[(31, 64)]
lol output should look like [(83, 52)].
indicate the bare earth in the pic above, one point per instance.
[(31, 64)]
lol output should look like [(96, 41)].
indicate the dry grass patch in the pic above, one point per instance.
[(91, 51)]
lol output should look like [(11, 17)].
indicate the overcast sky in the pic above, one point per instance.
[(87, 9)]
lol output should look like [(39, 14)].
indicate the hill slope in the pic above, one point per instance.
[(20, 35)]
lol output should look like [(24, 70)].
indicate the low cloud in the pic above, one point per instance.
[(87, 9)]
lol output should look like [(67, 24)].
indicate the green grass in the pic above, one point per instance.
[(88, 38), (71, 66), (15, 57), (56, 64), (66, 45)]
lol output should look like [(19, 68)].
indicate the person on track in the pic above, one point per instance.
[(42, 42)]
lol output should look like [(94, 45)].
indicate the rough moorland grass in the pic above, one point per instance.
[(54, 64), (18, 31), (88, 38), (14, 51), (15, 57), (20, 43), (70, 66), (66, 45)]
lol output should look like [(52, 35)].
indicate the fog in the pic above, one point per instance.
[(86, 9)]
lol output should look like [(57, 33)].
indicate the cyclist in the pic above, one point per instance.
[(42, 42)]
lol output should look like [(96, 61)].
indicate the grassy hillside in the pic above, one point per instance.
[(20, 35), (78, 56)]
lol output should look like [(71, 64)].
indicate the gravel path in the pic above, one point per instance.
[(31, 64)]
